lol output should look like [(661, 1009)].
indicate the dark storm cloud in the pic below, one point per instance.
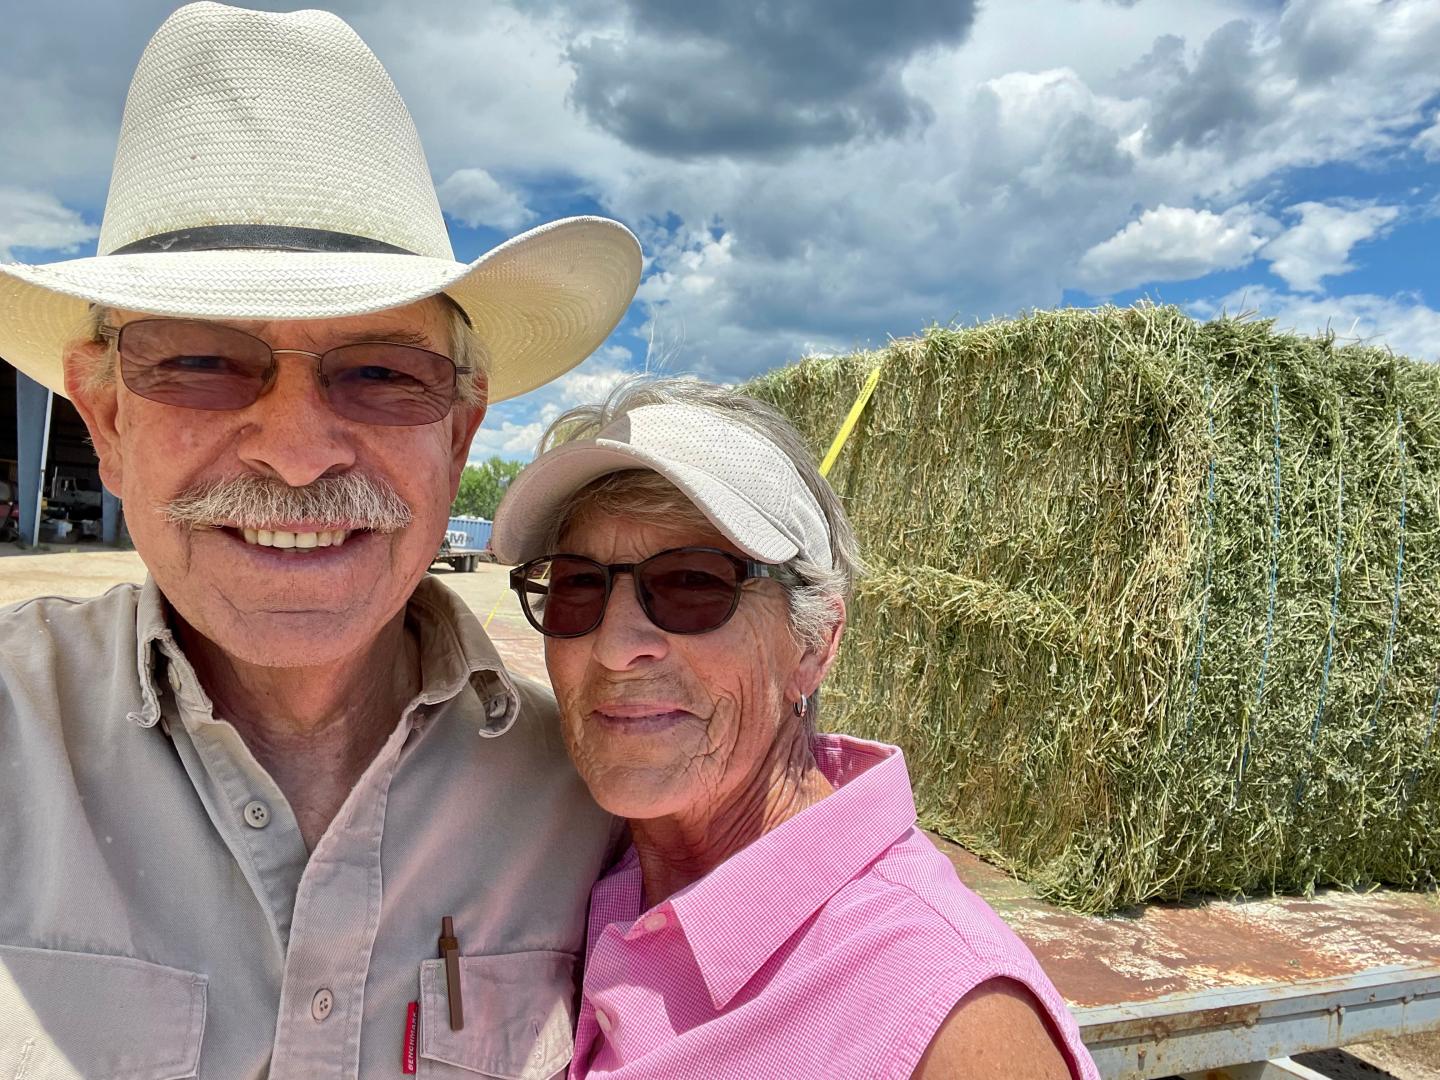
[(1237, 87), (65, 66), (63, 74), (1218, 101), (1087, 147), (760, 79)]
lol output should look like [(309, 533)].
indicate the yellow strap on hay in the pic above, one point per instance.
[(495, 607), (850, 421)]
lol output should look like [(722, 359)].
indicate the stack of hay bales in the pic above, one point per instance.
[(1154, 605)]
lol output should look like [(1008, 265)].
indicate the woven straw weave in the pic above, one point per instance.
[(239, 117)]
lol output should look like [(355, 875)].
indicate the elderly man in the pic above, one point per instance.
[(281, 811)]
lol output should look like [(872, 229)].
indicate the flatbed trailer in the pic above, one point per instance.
[(462, 560), (1230, 989)]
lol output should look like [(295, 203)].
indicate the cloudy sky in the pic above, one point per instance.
[(820, 175)]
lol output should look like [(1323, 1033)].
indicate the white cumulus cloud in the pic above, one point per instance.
[(592, 381), (1428, 141), (473, 197), (1319, 245), (1173, 243), (506, 439), (38, 221), (694, 266), (512, 429), (1031, 153)]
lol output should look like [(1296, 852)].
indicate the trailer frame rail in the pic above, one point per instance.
[(1240, 1031)]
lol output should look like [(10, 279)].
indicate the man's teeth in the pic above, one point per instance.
[(281, 539)]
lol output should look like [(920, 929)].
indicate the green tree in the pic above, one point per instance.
[(481, 487)]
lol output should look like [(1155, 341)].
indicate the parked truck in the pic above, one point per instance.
[(466, 544), (455, 549)]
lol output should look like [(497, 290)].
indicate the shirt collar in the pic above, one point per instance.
[(454, 651), (793, 870)]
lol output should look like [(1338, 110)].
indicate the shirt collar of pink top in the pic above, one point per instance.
[(789, 873)]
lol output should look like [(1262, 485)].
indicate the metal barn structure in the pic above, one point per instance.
[(49, 478)]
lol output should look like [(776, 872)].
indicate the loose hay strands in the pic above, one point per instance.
[(1119, 553), (1209, 562)]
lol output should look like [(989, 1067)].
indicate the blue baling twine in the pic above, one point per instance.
[(1399, 569), (1330, 635), (1274, 579), (1209, 560)]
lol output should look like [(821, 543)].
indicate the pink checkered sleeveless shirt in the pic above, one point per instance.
[(834, 946)]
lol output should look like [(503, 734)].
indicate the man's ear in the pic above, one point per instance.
[(816, 660), (98, 406), (465, 421)]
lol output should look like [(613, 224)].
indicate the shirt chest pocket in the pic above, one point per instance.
[(519, 1017), (68, 1015)]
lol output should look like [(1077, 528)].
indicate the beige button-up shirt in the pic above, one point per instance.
[(161, 918)]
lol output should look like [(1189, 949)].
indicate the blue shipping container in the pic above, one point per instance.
[(477, 530)]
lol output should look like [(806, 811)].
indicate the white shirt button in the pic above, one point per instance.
[(603, 1019), (174, 677), (321, 1004), (656, 920), (257, 814)]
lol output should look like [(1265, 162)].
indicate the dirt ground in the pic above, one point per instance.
[(1415, 1058), (89, 571), (69, 572)]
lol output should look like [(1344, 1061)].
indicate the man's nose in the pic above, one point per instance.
[(626, 636), (291, 432)]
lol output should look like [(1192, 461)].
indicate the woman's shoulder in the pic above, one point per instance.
[(897, 883), (911, 893), (912, 940)]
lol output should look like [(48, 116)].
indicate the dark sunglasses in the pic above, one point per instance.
[(688, 590), (201, 365)]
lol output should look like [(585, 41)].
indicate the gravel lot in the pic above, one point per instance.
[(89, 571)]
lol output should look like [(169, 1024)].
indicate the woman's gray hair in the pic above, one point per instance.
[(465, 350), (817, 590)]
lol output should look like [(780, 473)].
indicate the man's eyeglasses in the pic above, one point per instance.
[(688, 590), (202, 365)]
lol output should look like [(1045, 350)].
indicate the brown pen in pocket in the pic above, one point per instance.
[(450, 953)]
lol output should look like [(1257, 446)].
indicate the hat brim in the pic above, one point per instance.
[(538, 304), (529, 508)]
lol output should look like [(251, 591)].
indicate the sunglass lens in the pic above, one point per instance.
[(194, 365), (393, 385), (565, 595), (689, 592)]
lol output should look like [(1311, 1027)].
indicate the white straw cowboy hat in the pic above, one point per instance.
[(268, 169)]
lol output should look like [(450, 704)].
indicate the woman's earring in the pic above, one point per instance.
[(800, 707)]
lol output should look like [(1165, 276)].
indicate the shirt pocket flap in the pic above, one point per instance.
[(518, 1013), (70, 1014)]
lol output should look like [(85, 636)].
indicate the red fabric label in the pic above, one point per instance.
[(412, 1025)]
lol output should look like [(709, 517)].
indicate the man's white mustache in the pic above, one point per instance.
[(350, 501)]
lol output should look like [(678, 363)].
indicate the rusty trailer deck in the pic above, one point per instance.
[(1230, 988)]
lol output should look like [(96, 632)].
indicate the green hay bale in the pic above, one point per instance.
[(1155, 604)]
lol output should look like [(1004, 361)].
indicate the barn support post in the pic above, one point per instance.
[(32, 408), (109, 518)]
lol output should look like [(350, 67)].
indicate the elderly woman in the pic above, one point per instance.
[(779, 914)]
